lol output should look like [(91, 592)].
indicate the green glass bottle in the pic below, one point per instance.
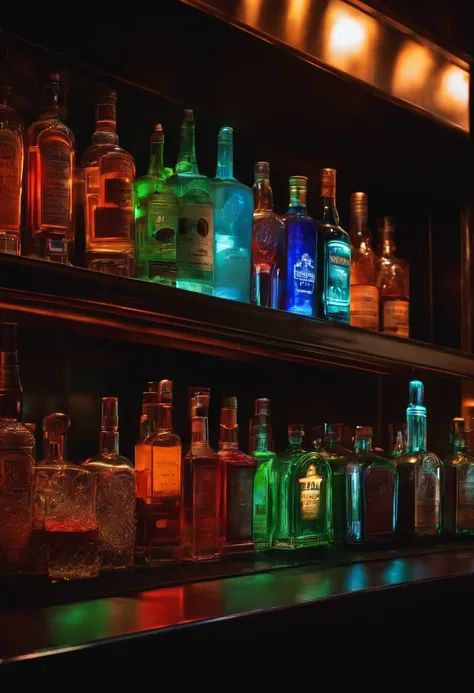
[(337, 456), (261, 447), (458, 484)]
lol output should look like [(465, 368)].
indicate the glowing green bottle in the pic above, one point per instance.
[(261, 447)]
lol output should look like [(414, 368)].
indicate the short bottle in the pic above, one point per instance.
[(50, 164), (364, 291), (262, 448), (267, 242), (237, 486), (200, 499), (458, 484), (233, 216), (333, 298), (11, 174), (393, 281), (115, 493), (371, 494), (337, 457)]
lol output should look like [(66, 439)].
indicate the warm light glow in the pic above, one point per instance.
[(412, 71), (296, 21), (455, 86), (348, 35), (250, 11)]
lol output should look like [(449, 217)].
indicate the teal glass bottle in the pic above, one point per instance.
[(419, 471), (261, 447), (458, 484), (371, 494), (337, 457), (233, 217)]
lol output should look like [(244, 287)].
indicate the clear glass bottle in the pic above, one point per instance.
[(393, 280), (364, 291), (334, 257), (195, 242), (419, 491), (267, 242), (337, 457), (158, 483), (233, 216), (397, 436), (200, 498), (16, 461), (115, 493), (371, 494), (237, 485), (458, 484), (51, 156), (262, 448), (156, 219), (11, 174), (299, 273)]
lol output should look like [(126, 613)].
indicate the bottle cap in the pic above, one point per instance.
[(188, 116), (158, 134), (109, 413), (363, 432), (358, 208), (8, 331), (229, 403), (262, 406), (226, 134), (328, 182), (105, 95), (416, 393), (262, 170), (165, 392), (296, 430), (299, 182), (152, 385), (200, 405)]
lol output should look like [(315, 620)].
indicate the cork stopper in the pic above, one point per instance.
[(110, 413), (188, 116), (358, 209), (328, 182), (158, 135)]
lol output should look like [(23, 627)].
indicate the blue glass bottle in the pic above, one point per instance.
[(299, 277), (334, 257), (233, 219)]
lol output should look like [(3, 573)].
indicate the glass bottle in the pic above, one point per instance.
[(334, 256), (458, 484), (262, 448), (51, 155), (371, 494), (397, 435), (158, 482), (237, 485), (200, 489), (16, 461), (419, 502), (146, 417), (11, 174), (337, 457), (65, 524), (299, 274), (115, 493), (364, 291), (195, 241), (233, 216), (393, 280), (156, 219), (267, 241)]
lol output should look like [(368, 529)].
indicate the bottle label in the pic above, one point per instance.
[(304, 275), (426, 498), (166, 471), (465, 510), (205, 520), (310, 493), (365, 306), (396, 318), (232, 272), (337, 289), (239, 503), (195, 243), (118, 191), (10, 180), (379, 496), (16, 511), (56, 183)]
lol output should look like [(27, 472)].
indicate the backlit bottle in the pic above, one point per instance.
[(364, 290), (393, 281), (262, 448), (458, 484), (11, 174)]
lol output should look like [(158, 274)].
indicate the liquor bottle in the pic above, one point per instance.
[(371, 494), (397, 435), (156, 219), (393, 280), (299, 274), (419, 506), (158, 481), (51, 155), (233, 216), (65, 524), (261, 447), (16, 461), (200, 497), (11, 174), (303, 503), (115, 493), (337, 457), (237, 485), (458, 484), (334, 256), (195, 241), (267, 241), (364, 291)]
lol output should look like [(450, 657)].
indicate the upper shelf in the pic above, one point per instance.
[(129, 309)]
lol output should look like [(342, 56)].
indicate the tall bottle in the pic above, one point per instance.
[(11, 173), (299, 275), (237, 485), (115, 493), (156, 219), (419, 501), (393, 280), (262, 448), (51, 156), (200, 497), (195, 242), (364, 291), (337, 457), (233, 216), (267, 242), (334, 256), (158, 482), (458, 484), (16, 461)]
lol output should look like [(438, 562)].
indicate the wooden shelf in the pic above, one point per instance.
[(37, 292)]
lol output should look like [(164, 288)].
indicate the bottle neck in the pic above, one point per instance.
[(10, 386), (262, 196), (50, 101), (155, 167), (163, 418), (297, 200), (225, 158), (459, 443), (56, 449), (199, 430), (229, 437), (109, 442), (330, 214), (261, 438), (187, 150), (106, 118), (416, 429), (388, 246), (295, 443), (363, 445)]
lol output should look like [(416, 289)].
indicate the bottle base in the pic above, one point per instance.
[(240, 548), (9, 243), (118, 263)]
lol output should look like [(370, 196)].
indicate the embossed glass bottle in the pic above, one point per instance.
[(11, 174), (337, 457), (371, 494), (115, 493), (458, 484), (261, 447), (393, 280), (364, 291)]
